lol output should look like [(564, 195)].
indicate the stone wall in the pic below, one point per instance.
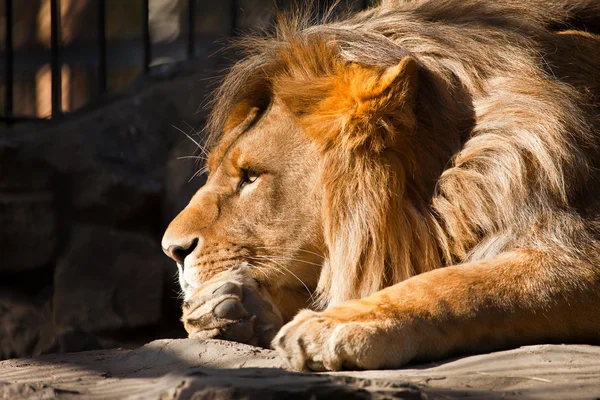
[(83, 203)]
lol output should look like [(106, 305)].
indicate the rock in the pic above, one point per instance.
[(27, 391), (215, 369), (112, 158), (108, 280), (168, 355), (20, 174), (28, 212), (26, 328), (28, 237), (83, 200), (73, 340)]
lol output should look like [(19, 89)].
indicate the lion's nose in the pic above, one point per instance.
[(179, 251), (184, 233)]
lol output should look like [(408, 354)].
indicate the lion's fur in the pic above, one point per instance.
[(497, 152), (435, 159)]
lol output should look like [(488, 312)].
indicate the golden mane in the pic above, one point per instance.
[(399, 198)]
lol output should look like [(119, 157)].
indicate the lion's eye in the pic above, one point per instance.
[(248, 177)]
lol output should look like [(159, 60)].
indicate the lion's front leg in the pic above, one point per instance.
[(517, 298)]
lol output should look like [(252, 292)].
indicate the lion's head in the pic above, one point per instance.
[(260, 205), (313, 178)]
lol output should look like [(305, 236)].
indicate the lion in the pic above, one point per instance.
[(415, 181)]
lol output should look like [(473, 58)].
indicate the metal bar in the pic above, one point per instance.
[(8, 72), (191, 28), (146, 35), (55, 57), (102, 75), (234, 17)]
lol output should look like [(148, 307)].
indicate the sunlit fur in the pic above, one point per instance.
[(498, 140), (449, 133)]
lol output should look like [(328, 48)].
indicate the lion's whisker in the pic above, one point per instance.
[(290, 259), (293, 274), (289, 248), (199, 172), (261, 270), (268, 267), (200, 147), (194, 157), (191, 127)]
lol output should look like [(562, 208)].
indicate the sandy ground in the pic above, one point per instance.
[(186, 369)]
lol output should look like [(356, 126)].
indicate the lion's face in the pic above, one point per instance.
[(260, 205)]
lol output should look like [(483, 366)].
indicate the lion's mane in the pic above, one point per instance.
[(473, 171)]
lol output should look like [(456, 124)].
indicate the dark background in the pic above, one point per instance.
[(89, 182)]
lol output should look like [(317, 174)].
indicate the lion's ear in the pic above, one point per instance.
[(378, 91), (366, 106)]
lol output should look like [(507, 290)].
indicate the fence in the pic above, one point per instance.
[(56, 49)]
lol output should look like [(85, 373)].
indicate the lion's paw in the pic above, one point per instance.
[(232, 307), (322, 341)]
